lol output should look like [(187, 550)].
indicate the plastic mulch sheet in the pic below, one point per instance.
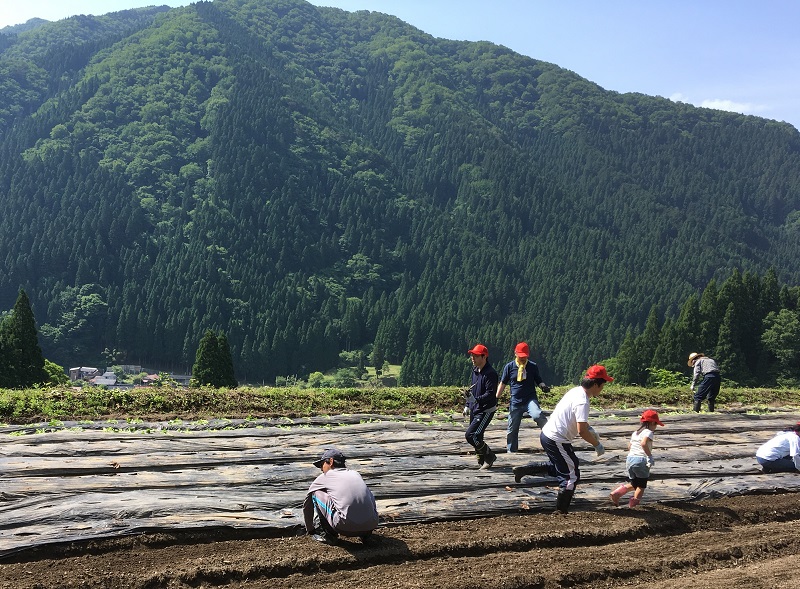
[(77, 481)]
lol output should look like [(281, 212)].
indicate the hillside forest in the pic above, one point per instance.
[(333, 189)]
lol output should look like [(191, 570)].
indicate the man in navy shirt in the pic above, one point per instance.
[(482, 403), (523, 376)]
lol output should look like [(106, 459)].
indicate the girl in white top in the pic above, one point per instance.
[(781, 453), (639, 461)]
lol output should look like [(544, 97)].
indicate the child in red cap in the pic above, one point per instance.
[(639, 461)]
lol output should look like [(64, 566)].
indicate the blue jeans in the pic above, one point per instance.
[(515, 413)]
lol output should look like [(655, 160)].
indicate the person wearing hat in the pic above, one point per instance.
[(338, 502), (568, 421), (522, 374), (640, 459), (707, 369), (782, 452), (482, 403)]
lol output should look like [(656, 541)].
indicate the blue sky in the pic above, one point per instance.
[(737, 55)]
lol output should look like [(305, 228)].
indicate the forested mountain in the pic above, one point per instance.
[(310, 181), (26, 26)]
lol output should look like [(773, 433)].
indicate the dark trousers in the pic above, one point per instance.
[(478, 423), (708, 388), (565, 462), (785, 464)]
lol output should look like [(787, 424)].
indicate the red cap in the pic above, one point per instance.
[(522, 350), (652, 416), (598, 371), (479, 350)]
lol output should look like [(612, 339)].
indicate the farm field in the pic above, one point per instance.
[(216, 503), (751, 539)]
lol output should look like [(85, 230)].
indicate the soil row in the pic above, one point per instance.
[(706, 544)]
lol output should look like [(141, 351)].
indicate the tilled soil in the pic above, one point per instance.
[(752, 539)]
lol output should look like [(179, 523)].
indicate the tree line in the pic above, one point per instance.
[(330, 188), (750, 324)]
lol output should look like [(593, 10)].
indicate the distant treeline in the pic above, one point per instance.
[(749, 324), (329, 188)]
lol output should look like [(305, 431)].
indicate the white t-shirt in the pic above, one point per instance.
[(562, 425), (636, 442), (782, 445)]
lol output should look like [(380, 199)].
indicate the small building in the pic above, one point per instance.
[(107, 379), (181, 379), (83, 373), (151, 379)]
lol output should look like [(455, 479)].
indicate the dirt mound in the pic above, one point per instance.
[(702, 545)]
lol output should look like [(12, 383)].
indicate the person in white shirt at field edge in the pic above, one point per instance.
[(781, 453)]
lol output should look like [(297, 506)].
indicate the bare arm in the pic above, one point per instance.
[(585, 433), (501, 387), (647, 446)]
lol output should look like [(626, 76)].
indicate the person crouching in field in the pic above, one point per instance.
[(640, 459), (781, 453), (338, 502)]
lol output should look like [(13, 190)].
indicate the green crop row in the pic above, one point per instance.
[(45, 404)]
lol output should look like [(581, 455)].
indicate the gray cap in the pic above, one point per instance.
[(337, 456)]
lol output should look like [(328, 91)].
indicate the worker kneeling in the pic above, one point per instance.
[(338, 502)]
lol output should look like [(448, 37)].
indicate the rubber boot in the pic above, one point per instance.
[(563, 501), (532, 469), (485, 456), (617, 494), (488, 460), (711, 404), (540, 421), (633, 502), (696, 407)]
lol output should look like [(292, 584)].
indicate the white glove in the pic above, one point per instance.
[(600, 449), (650, 461), (466, 410)]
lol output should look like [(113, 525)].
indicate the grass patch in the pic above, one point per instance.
[(55, 405)]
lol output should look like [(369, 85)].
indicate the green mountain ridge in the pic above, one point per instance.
[(310, 181)]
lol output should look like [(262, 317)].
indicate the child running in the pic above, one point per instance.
[(639, 461)]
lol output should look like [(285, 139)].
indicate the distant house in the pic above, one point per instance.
[(107, 379), (181, 379), (83, 373), (155, 379), (151, 379)]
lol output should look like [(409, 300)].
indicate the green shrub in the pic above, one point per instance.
[(662, 378), (41, 405)]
